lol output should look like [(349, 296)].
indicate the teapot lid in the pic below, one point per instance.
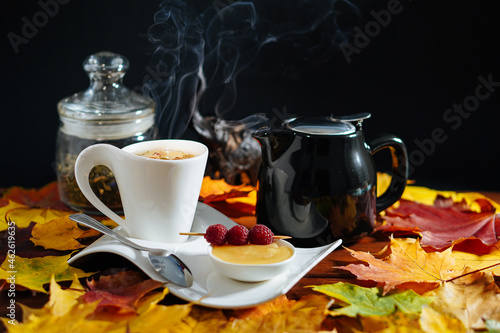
[(319, 126)]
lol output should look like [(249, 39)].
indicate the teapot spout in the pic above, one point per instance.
[(274, 143), (262, 136)]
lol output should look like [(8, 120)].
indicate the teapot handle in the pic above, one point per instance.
[(399, 168)]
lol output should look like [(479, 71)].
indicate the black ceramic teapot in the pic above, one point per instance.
[(317, 181)]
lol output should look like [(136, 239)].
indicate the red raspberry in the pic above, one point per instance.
[(260, 235), (237, 235), (216, 234)]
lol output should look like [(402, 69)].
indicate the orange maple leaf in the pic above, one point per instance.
[(235, 201), (407, 263), (218, 190)]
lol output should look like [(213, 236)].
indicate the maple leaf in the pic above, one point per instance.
[(4, 211), (408, 262), (427, 196), (34, 273), (60, 300), (471, 298), (219, 190), (62, 313), (23, 215), (370, 301), (67, 312), (60, 234), (162, 318), (433, 222), (282, 315), (118, 294), (262, 309), (235, 201), (207, 320)]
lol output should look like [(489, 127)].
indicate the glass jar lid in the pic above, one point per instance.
[(106, 102)]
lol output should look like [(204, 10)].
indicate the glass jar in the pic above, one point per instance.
[(107, 112)]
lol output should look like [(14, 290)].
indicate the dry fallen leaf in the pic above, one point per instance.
[(471, 299), (119, 294), (219, 190), (281, 315), (433, 222), (34, 273), (408, 262), (23, 215), (362, 301), (427, 196), (68, 311), (61, 300), (60, 234), (235, 201), (63, 313)]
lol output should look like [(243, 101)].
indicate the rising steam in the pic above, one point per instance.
[(200, 50)]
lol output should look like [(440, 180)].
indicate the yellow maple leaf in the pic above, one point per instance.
[(304, 315), (427, 196), (471, 298), (75, 320), (62, 300), (23, 215), (160, 318), (34, 273), (4, 211), (408, 262), (207, 320), (60, 234)]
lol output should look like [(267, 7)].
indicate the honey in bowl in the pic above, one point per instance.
[(251, 254), (160, 154), (252, 263)]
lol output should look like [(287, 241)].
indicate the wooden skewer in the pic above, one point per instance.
[(203, 234)]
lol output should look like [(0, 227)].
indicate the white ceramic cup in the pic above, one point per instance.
[(159, 197)]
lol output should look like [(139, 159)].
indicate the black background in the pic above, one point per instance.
[(426, 60)]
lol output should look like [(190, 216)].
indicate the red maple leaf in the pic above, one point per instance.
[(445, 223), (118, 294)]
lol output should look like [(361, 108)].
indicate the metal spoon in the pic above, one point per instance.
[(164, 262)]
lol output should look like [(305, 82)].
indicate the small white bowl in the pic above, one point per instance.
[(252, 273)]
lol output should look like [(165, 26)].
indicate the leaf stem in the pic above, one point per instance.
[(477, 270)]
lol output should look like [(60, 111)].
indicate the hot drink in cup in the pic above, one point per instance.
[(159, 183)]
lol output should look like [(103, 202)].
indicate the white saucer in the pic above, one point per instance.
[(210, 288)]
